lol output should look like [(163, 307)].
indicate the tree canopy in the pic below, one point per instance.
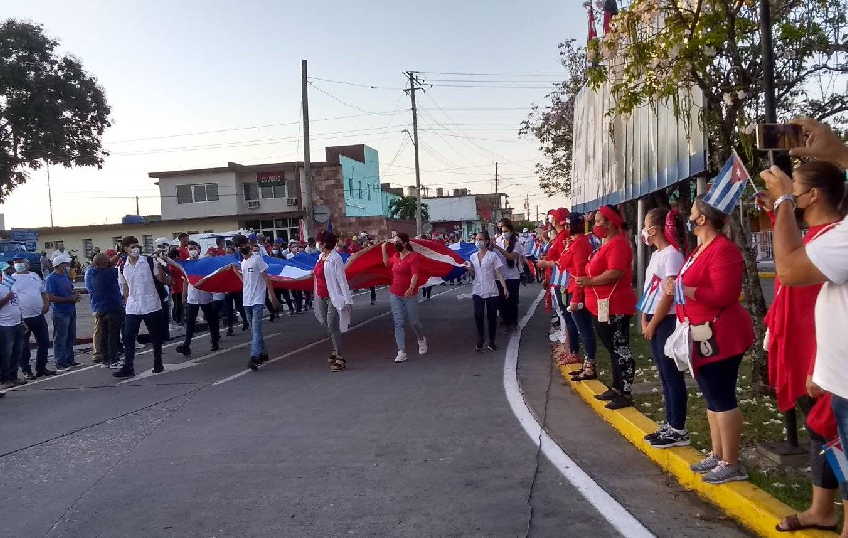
[(405, 207), (51, 110)]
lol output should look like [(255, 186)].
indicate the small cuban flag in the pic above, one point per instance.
[(651, 296), (559, 277), (836, 458), (728, 185)]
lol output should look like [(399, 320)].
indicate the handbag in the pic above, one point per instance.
[(703, 337), (678, 347), (604, 304)]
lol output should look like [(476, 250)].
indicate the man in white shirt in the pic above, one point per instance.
[(138, 276), (824, 260), (197, 300), (32, 298), (256, 287), (11, 334)]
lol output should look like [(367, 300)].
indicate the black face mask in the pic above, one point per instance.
[(245, 251), (399, 246)]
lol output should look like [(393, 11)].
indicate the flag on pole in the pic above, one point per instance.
[(610, 9), (592, 32), (728, 185)]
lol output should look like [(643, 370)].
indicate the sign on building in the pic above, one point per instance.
[(270, 179), (27, 237)]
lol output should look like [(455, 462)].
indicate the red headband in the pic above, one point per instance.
[(611, 215), (670, 229)]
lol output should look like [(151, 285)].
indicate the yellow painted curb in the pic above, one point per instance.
[(767, 274), (743, 501)]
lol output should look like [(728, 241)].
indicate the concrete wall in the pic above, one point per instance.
[(361, 180), (228, 194)]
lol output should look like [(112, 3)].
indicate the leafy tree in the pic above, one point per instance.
[(51, 110), (405, 208)]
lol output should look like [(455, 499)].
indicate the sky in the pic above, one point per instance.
[(195, 84)]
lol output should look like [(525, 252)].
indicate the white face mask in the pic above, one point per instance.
[(480, 244), (193, 253), (135, 252), (20, 267), (276, 251), (646, 237)]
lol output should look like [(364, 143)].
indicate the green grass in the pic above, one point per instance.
[(763, 423)]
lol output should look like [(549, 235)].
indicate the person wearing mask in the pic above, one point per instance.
[(611, 300), (823, 260), (486, 269), (60, 291), (221, 302), (664, 231), (707, 294), (12, 331), (509, 248), (335, 300), (257, 286), (575, 256), (297, 295), (403, 293), (46, 264), (182, 249), (554, 278), (283, 294), (219, 249), (174, 277), (141, 282), (34, 304), (195, 301), (107, 306)]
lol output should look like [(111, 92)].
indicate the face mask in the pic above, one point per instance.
[(599, 231), (507, 235), (690, 226), (276, 251), (646, 237), (193, 253), (480, 245), (135, 252), (399, 246), (20, 267), (245, 251)]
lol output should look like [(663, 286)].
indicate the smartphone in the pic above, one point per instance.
[(779, 136)]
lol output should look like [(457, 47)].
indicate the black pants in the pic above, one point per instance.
[(287, 297), (235, 299), (224, 312), (37, 326), (132, 323), (373, 294), (489, 305), (110, 334), (509, 305), (427, 291), (191, 322), (297, 295), (615, 336), (177, 312)]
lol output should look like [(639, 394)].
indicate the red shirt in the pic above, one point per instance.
[(717, 275), (573, 260), (320, 281), (553, 254), (402, 271), (176, 280), (215, 251), (614, 254), (183, 252)]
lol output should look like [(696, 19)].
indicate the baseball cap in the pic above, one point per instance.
[(61, 258)]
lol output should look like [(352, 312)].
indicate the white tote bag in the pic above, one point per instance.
[(679, 347)]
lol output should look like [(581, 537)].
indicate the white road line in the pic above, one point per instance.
[(315, 343), (610, 509)]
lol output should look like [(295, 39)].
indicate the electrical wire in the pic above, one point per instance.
[(356, 84)]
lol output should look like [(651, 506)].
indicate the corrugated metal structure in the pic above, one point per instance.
[(616, 159)]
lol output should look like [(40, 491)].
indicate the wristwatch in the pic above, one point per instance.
[(786, 197)]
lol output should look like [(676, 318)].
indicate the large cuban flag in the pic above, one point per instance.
[(728, 185)]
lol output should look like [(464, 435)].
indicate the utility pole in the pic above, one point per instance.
[(496, 181), (415, 85), (537, 213), (137, 212), (306, 180), (49, 194)]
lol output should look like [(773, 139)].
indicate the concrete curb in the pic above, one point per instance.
[(743, 501)]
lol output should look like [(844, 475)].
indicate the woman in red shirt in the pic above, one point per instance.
[(707, 293), (403, 293), (611, 300)]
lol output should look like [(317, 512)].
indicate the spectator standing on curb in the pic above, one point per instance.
[(31, 296), (138, 276), (60, 292), (822, 261), (107, 307)]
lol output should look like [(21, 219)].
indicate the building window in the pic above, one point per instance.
[(273, 191), (88, 247), (48, 244), (197, 192), (147, 243), (116, 240), (251, 191), (284, 229), (54, 244)]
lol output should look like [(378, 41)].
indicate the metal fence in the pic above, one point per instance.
[(762, 243)]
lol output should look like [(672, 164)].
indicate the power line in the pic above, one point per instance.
[(339, 100), (356, 84), (467, 74)]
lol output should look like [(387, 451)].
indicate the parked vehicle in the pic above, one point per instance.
[(12, 249)]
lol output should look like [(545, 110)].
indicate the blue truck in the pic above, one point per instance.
[(14, 249)]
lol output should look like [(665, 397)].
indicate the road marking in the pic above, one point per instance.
[(610, 509), (315, 343)]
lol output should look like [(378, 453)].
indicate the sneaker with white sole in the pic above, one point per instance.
[(401, 356), (422, 345), (725, 472), (705, 465), (670, 437), (651, 436)]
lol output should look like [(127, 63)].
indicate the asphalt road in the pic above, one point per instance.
[(431, 447)]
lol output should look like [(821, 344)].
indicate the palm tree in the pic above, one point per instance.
[(404, 208)]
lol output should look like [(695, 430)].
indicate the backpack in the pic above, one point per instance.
[(160, 288)]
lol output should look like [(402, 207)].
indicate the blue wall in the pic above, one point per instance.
[(362, 194)]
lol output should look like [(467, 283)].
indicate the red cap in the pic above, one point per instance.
[(560, 215), (111, 252)]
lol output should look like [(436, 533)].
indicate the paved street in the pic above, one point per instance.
[(431, 447)]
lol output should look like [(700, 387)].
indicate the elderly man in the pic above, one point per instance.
[(107, 306), (60, 292)]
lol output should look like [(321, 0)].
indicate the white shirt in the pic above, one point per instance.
[(28, 288), (484, 274), (196, 296), (510, 273), (255, 288), (10, 313), (829, 253), (664, 263), (143, 297)]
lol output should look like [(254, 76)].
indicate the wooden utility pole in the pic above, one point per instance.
[(137, 212), (415, 85), (306, 180), (50, 194), (496, 180)]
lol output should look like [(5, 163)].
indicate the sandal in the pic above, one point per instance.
[(793, 523), (586, 374)]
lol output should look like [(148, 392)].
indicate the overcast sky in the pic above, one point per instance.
[(174, 72)]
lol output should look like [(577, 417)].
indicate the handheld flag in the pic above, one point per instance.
[(728, 185), (835, 456)]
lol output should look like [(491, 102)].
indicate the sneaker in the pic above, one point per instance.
[(29, 376), (45, 372), (215, 346), (122, 373), (651, 436), (117, 365), (620, 401), (401, 356), (254, 363), (705, 465), (606, 396), (492, 347), (670, 437), (422, 345), (263, 357), (724, 472), (478, 347), (229, 331), (183, 349), (74, 364), (244, 327), (62, 367)]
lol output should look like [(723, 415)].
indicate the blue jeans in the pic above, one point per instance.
[(840, 409), (405, 310), (257, 342), (64, 337), (37, 325), (132, 323), (581, 323), (11, 349), (673, 381)]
